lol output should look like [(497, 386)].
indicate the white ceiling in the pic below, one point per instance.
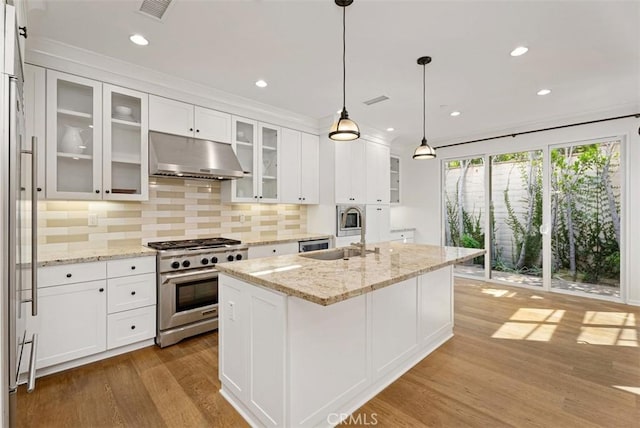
[(588, 53)]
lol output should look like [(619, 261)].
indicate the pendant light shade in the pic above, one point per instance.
[(344, 129), (424, 150)]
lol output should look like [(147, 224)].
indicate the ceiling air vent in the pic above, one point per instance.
[(155, 8), (376, 100)]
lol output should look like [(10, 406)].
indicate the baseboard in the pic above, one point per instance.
[(87, 360), (633, 302), (246, 414)]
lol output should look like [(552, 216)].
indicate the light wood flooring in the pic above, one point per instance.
[(518, 358)]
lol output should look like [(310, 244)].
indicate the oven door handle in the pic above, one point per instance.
[(195, 274)]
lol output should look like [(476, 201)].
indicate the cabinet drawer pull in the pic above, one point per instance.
[(133, 268), (101, 290), (69, 275), (107, 191), (97, 191), (133, 293), (191, 129), (133, 327)]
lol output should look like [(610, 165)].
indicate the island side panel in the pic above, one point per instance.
[(328, 351), (435, 291), (395, 325), (253, 340)]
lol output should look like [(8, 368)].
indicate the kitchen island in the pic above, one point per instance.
[(305, 342)]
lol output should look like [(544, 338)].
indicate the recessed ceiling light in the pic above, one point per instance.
[(261, 84), (455, 113), (391, 129), (139, 39), (544, 91), (520, 50)]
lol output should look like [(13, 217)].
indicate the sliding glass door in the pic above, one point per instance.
[(464, 210), (516, 217), (585, 181), (552, 216)]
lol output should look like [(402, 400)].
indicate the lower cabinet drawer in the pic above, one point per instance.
[(131, 292), (131, 326)]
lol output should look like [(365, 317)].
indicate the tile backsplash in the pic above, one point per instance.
[(176, 209)]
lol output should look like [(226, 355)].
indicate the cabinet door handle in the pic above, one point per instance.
[(197, 130), (274, 250), (133, 268), (69, 275), (107, 191), (101, 290), (133, 293), (39, 189), (260, 197), (23, 32), (191, 129), (97, 191), (133, 327)]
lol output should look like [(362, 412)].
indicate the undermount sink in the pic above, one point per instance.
[(337, 254)]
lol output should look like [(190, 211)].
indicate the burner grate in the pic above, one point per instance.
[(187, 244)]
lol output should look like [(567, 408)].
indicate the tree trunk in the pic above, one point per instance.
[(461, 184), (606, 179), (569, 215), (531, 184)]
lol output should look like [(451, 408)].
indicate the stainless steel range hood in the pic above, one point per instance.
[(184, 157)]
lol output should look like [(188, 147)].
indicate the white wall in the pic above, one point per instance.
[(421, 185)]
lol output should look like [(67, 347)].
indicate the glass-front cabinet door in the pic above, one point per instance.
[(125, 133), (74, 126), (268, 163), (244, 134)]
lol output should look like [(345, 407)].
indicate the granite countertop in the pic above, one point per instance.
[(83, 256), (327, 282), (275, 238)]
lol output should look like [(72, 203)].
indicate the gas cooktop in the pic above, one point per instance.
[(193, 244)]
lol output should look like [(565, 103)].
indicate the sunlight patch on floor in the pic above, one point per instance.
[(496, 292), (608, 336), (631, 389), (609, 328), (533, 324)]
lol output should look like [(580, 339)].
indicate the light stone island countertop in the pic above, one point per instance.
[(327, 282), (82, 256), (253, 239)]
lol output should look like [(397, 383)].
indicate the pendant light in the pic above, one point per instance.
[(424, 150), (344, 129)]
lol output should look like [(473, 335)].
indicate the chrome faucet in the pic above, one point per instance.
[(363, 228)]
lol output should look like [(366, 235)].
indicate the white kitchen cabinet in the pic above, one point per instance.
[(125, 171), (350, 174), (178, 118), (259, 251), (74, 137), (378, 218), (377, 166), (86, 309), (394, 180), (71, 323), (34, 104), (96, 140), (300, 181), (257, 146)]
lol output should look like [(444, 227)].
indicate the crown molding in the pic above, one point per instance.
[(53, 54)]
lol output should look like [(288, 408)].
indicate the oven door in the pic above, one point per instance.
[(187, 297)]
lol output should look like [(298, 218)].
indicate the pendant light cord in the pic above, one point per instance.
[(424, 103), (344, 54)]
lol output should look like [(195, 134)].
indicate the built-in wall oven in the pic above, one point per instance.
[(353, 223), (188, 285)]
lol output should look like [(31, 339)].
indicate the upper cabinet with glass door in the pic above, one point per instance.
[(257, 147), (74, 140), (126, 170), (96, 141)]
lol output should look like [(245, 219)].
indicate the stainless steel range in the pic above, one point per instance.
[(188, 285)]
